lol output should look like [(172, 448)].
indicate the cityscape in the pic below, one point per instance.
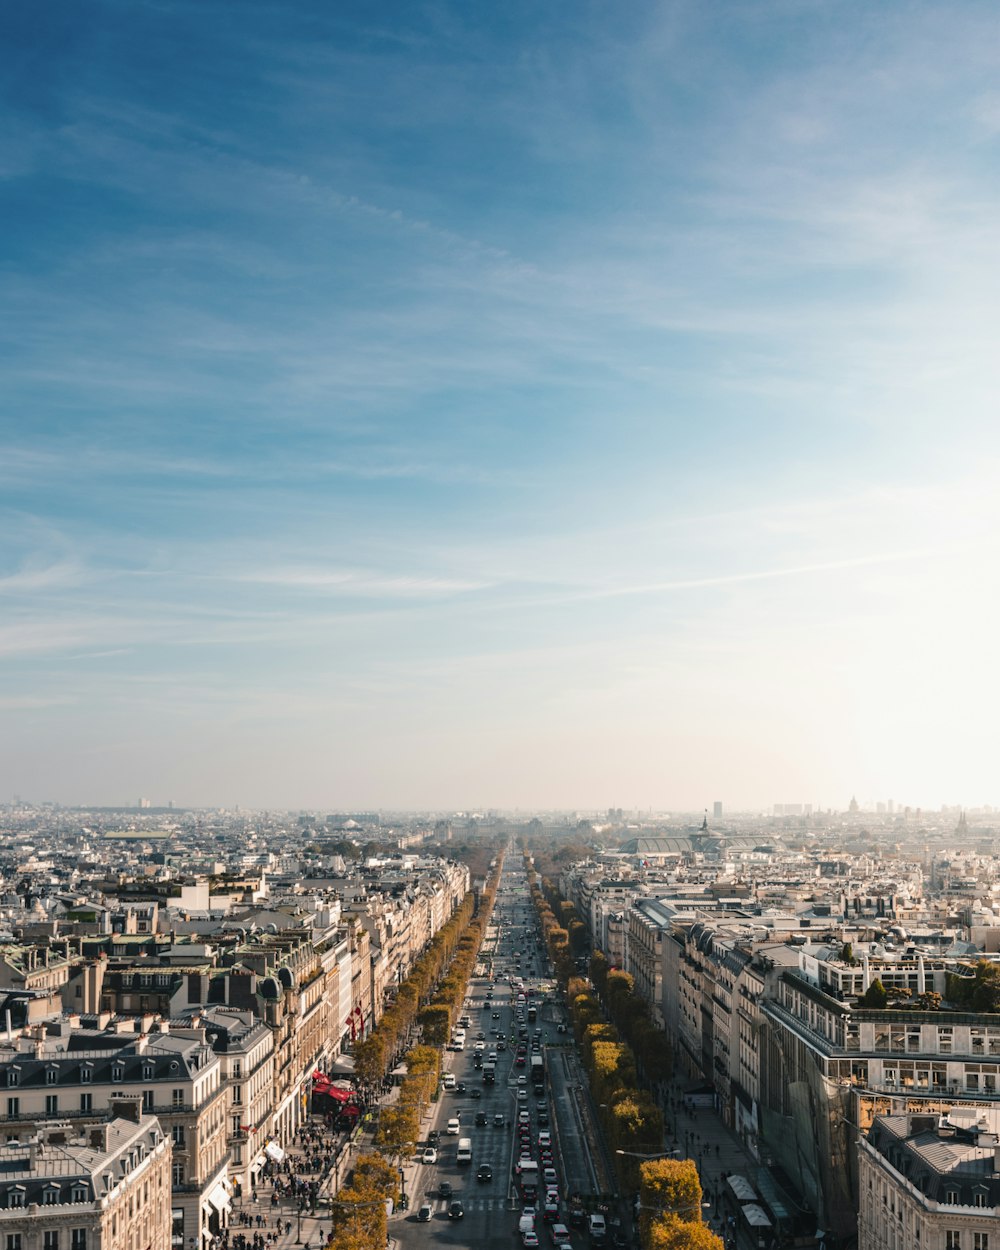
[(499, 561), (739, 1031)]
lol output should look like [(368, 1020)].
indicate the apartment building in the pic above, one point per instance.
[(930, 1182), (102, 1187), (79, 1074)]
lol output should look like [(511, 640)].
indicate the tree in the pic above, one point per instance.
[(435, 1022), (875, 997), (670, 1233), (668, 1187)]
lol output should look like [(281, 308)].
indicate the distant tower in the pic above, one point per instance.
[(962, 828), (853, 805), (717, 810)]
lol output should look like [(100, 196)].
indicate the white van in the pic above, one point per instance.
[(464, 1150)]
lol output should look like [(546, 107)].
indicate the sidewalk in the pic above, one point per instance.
[(699, 1134)]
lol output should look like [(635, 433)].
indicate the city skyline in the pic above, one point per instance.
[(554, 409)]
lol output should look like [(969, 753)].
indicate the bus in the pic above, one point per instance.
[(537, 1071)]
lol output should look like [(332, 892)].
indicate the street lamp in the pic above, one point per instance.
[(298, 1229), (663, 1154)]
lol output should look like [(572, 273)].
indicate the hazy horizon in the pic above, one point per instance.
[(562, 407)]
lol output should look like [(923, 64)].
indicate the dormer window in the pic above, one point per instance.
[(79, 1193), (86, 1074), (147, 1071), (13, 1076), (117, 1072), (51, 1076), (50, 1195), (15, 1197)]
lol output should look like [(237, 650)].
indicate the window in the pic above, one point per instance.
[(117, 1072), (952, 1239), (13, 1076), (86, 1102), (147, 1071), (13, 1108), (237, 1071), (15, 1197), (980, 1199), (177, 1098), (951, 1197), (78, 1238), (178, 1135), (177, 1173), (14, 1239), (980, 1241), (50, 1239), (50, 1196), (147, 1100), (86, 1075), (944, 1041), (80, 1193), (51, 1076), (51, 1104), (237, 1095)]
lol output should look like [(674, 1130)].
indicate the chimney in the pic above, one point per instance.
[(125, 1108), (99, 1138)]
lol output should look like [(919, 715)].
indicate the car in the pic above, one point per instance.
[(480, 1036), (501, 1044), (550, 1212), (453, 1126), (424, 1213), (482, 1119), (449, 1080), (549, 1176), (475, 1093), (491, 1057), (577, 1217), (461, 1087), (522, 1095), (485, 1172), (522, 1080), (560, 1234), (498, 1119), (433, 1137), (456, 1211), (430, 1155), (445, 1190), (545, 1138), (529, 1237), (524, 1117), (598, 1227), (479, 1046), (496, 1015)]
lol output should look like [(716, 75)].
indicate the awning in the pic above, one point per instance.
[(219, 1198), (755, 1216), (741, 1189), (342, 1065), (274, 1151)]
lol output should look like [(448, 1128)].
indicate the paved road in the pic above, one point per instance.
[(492, 1209)]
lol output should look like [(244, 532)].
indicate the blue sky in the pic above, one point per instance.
[(448, 405)]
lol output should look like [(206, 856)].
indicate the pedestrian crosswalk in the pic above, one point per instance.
[(472, 1203)]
